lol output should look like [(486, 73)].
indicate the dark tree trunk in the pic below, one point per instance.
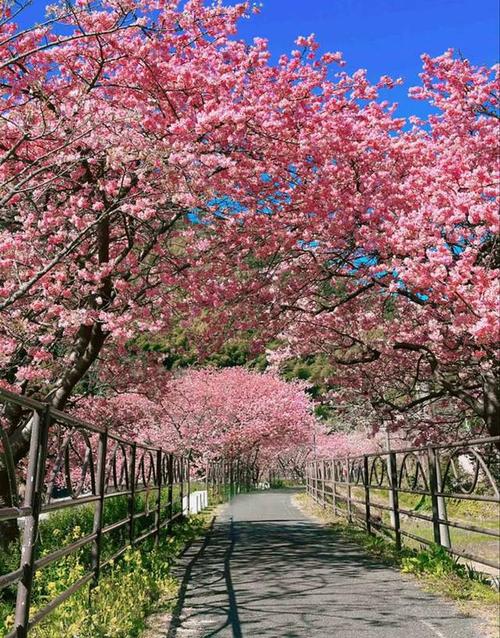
[(88, 344), (491, 405), (9, 532)]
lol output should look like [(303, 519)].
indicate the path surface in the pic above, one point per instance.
[(268, 571)]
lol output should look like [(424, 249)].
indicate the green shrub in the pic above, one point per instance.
[(128, 589), (434, 560)]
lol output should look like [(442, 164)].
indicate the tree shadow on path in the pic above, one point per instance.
[(298, 579)]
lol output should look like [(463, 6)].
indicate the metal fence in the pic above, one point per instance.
[(421, 495), (71, 463), (225, 478)]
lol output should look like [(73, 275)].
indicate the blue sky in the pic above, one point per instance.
[(382, 36)]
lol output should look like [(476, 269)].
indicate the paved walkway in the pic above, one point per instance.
[(268, 571)]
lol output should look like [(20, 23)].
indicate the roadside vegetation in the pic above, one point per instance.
[(129, 589), (481, 513)]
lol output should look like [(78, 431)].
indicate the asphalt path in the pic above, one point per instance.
[(266, 570)]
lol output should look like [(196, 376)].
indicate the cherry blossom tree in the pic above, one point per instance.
[(157, 171), (129, 130), (343, 445), (209, 414), (396, 282), (234, 413)]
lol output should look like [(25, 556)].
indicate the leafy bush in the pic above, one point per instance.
[(128, 588), (434, 560)]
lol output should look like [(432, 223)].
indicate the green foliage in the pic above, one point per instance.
[(179, 351), (316, 370), (128, 589), (444, 574), (278, 483), (434, 560)]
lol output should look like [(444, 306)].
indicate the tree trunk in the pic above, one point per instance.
[(491, 405), (9, 532), (87, 346)]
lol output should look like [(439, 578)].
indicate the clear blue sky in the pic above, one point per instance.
[(382, 36)]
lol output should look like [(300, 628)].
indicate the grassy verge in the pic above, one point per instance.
[(129, 588), (435, 569), (481, 513)]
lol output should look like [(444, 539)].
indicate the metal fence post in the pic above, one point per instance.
[(188, 485), (207, 482), (431, 460), (99, 506), (318, 481), (159, 460), (131, 496), (323, 484), (393, 477), (181, 483), (170, 492), (315, 470), (231, 486), (334, 486), (33, 500), (444, 530), (349, 505), (315, 484), (366, 480), (220, 479)]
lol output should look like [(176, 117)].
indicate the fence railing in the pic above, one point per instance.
[(421, 495), (70, 463), (225, 478)]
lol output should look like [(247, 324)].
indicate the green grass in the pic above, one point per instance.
[(479, 513), (129, 588)]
